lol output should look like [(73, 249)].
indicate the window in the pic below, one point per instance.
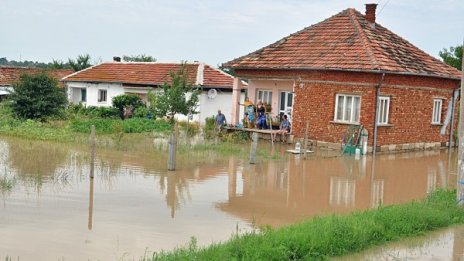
[(101, 95), (83, 95), (383, 110), (265, 96), (347, 108), (436, 114)]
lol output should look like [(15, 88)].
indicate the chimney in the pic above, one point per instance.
[(370, 12), (116, 59)]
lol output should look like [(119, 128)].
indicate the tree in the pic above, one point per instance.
[(453, 56), (138, 58), (179, 96), (82, 62), (58, 64), (37, 96), (125, 100)]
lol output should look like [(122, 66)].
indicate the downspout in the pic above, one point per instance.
[(377, 95), (453, 103)]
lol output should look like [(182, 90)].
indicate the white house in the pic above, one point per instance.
[(97, 85)]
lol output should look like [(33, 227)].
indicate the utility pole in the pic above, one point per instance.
[(460, 170)]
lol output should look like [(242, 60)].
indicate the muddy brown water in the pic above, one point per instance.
[(51, 210)]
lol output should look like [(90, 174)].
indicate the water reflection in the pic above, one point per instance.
[(134, 204)]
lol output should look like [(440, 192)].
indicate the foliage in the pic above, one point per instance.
[(107, 126), (179, 96), (37, 96), (25, 63), (210, 128), (324, 237), (453, 56), (142, 112), (82, 61), (58, 64), (138, 58), (92, 111), (125, 100)]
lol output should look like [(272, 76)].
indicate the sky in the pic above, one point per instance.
[(212, 31)]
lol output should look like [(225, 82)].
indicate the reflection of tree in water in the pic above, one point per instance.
[(36, 162), (177, 189)]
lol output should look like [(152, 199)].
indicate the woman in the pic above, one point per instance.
[(261, 110)]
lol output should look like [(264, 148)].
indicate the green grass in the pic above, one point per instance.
[(324, 237)]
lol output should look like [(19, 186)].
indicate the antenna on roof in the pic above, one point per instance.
[(386, 3)]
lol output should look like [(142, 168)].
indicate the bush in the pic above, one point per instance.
[(37, 96), (126, 100), (93, 111)]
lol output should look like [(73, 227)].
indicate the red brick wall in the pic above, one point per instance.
[(411, 104)]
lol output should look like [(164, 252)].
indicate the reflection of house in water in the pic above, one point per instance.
[(282, 192)]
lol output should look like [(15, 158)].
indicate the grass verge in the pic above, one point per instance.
[(324, 237)]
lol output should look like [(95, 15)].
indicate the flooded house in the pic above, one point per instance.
[(11, 74), (349, 70), (97, 85)]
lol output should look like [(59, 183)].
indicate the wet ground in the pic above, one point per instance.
[(50, 209)]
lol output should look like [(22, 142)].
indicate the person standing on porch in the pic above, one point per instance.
[(249, 112), (220, 120), (261, 109)]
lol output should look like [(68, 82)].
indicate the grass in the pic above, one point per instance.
[(324, 237)]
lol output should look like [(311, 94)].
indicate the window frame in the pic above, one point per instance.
[(385, 111), (437, 111), (99, 98), (350, 120), (269, 96)]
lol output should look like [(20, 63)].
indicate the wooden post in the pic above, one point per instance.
[(460, 170), (89, 225), (254, 146), (270, 128), (172, 149), (306, 139), (92, 151)]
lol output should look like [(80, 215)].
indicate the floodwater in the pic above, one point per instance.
[(51, 210), (446, 244)]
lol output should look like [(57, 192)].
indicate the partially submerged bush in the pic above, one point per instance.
[(107, 126)]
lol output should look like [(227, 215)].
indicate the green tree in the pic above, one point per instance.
[(138, 58), (125, 100), (81, 62), (58, 64), (179, 95), (37, 96), (453, 56)]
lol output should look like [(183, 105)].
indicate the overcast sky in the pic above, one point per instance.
[(213, 31)]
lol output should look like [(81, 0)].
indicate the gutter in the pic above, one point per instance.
[(377, 95)]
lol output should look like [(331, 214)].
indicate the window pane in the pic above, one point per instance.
[(348, 108), (356, 108), (269, 97), (340, 108), (282, 101), (289, 99)]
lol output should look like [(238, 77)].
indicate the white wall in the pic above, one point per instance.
[(112, 90)]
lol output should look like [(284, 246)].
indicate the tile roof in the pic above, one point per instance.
[(151, 74), (9, 74), (345, 41)]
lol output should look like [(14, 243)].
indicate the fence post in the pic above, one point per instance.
[(172, 149), (92, 151), (254, 146)]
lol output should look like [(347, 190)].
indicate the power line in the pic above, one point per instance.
[(386, 3)]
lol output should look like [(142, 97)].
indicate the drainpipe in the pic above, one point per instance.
[(377, 95), (453, 102)]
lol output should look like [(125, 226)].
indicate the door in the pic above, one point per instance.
[(286, 104)]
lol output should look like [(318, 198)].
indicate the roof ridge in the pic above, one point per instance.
[(74, 73), (365, 42)]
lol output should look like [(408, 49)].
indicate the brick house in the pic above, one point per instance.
[(333, 74)]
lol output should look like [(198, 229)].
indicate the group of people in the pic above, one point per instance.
[(259, 121), (256, 118)]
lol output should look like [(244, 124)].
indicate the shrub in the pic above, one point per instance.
[(109, 126), (126, 100), (37, 96)]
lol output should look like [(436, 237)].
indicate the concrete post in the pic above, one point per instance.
[(237, 87), (254, 146), (460, 169)]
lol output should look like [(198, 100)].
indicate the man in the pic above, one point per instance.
[(220, 120)]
